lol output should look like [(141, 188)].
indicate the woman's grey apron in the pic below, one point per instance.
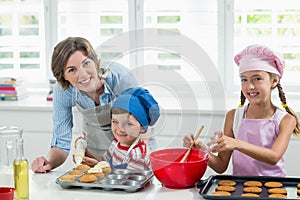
[(96, 122)]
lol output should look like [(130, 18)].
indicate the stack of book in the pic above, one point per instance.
[(51, 85), (12, 88)]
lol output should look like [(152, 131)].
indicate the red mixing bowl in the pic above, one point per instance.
[(171, 173), (6, 193)]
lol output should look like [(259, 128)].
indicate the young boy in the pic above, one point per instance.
[(132, 112)]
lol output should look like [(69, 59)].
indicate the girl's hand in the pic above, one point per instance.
[(224, 143), (214, 139), (188, 140)]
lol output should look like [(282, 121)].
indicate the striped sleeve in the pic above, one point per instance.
[(138, 158)]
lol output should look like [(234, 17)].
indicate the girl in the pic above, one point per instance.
[(257, 134)]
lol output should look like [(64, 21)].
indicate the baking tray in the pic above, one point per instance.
[(118, 179), (209, 185)]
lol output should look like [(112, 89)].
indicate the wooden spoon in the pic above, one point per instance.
[(190, 148)]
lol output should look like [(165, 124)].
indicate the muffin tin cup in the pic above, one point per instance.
[(117, 179)]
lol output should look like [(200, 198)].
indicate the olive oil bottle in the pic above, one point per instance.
[(21, 174)]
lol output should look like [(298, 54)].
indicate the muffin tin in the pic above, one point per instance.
[(209, 185), (117, 179)]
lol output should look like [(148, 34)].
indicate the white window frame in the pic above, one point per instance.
[(225, 64)]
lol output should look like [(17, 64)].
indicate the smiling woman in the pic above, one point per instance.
[(82, 83)]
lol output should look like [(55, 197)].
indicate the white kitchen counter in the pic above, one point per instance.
[(43, 186)]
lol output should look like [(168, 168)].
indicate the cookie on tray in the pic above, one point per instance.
[(83, 167), (67, 177), (277, 191), (252, 184), (221, 193), (227, 183), (98, 174), (273, 184), (255, 190), (298, 185), (225, 188), (88, 178), (280, 196), (76, 172), (298, 192), (249, 195)]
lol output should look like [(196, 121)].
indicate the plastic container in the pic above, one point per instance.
[(80, 148), (9, 137), (171, 173), (6, 193)]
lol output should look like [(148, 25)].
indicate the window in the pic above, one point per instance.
[(29, 29), (22, 38), (275, 24), (98, 21)]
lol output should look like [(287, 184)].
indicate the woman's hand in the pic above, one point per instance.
[(89, 161), (41, 165)]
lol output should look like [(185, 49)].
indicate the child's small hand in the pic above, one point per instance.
[(224, 143), (214, 139), (89, 161), (188, 140)]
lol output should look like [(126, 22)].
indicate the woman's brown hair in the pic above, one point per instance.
[(62, 52)]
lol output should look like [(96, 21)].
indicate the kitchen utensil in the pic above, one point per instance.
[(6, 193), (209, 185), (9, 137), (118, 179), (195, 139), (172, 173)]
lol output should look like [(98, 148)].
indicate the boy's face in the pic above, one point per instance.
[(125, 128)]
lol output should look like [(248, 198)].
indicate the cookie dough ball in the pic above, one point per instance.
[(280, 196), (273, 184), (225, 188), (252, 184), (255, 190), (227, 183), (249, 195), (221, 193), (277, 191)]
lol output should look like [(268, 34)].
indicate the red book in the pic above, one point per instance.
[(7, 88)]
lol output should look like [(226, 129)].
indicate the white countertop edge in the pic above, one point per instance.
[(37, 101)]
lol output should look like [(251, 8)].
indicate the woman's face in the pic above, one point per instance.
[(125, 128), (257, 86), (81, 72)]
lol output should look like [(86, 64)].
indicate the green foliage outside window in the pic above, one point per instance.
[(111, 19), (168, 19)]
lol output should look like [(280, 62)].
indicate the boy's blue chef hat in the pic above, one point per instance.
[(141, 104)]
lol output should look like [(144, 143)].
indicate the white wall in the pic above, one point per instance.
[(170, 129)]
